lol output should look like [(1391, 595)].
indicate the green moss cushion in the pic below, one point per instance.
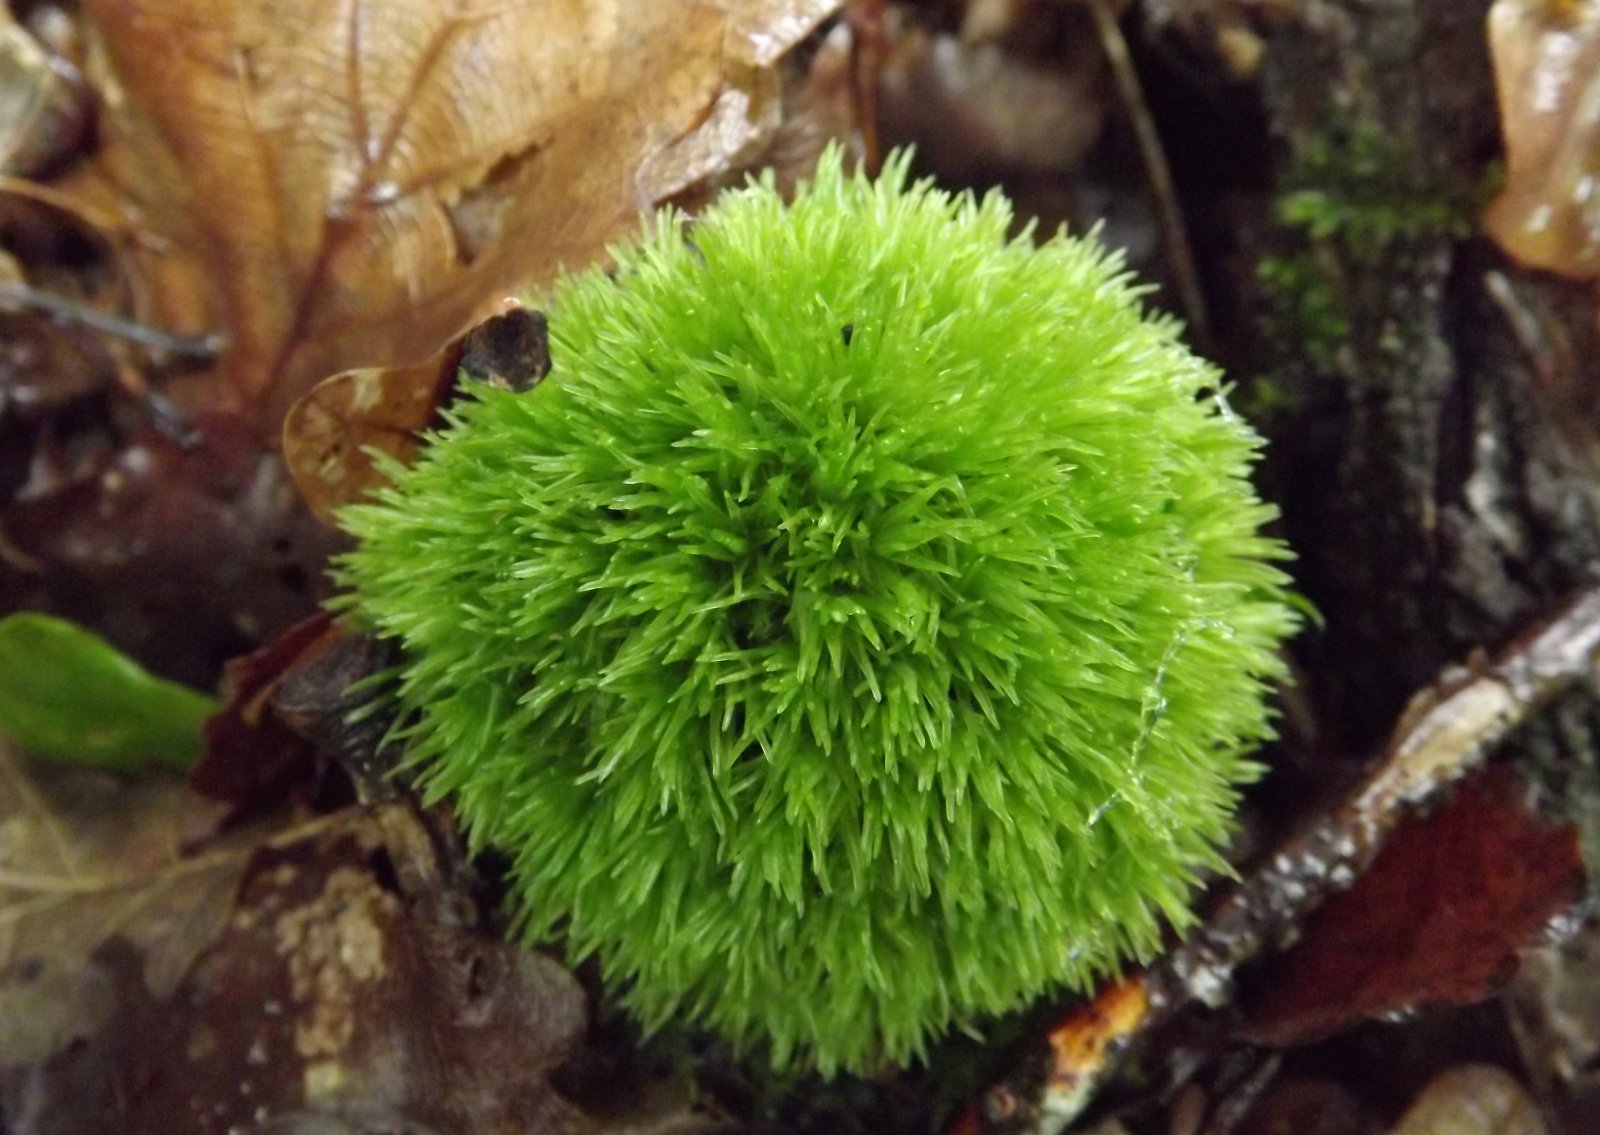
[(863, 630)]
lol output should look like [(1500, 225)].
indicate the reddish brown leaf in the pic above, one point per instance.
[(253, 759), (1440, 918)]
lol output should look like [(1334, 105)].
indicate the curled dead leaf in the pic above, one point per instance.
[(327, 185), (1547, 74), (331, 435)]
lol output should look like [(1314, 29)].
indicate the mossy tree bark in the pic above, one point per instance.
[(1435, 440)]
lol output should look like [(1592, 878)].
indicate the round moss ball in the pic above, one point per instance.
[(863, 630)]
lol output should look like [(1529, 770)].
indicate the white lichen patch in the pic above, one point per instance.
[(334, 947)]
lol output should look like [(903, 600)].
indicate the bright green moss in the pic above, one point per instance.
[(861, 631)]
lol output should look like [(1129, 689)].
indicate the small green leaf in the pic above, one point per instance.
[(69, 695)]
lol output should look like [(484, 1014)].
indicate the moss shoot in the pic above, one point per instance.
[(862, 631)]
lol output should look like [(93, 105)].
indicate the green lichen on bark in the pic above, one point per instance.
[(1353, 208)]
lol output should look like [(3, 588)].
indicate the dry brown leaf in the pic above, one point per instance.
[(85, 858), (352, 183), (1547, 73), (1472, 1099), (328, 184)]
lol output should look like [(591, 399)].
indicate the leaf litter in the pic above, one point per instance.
[(83, 859), (160, 278), (276, 974), (326, 187)]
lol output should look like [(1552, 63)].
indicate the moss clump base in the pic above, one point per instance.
[(862, 631)]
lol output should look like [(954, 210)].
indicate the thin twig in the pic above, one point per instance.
[(1448, 730), (43, 884), (869, 43), (1169, 214), (168, 420), (21, 297), (106, 224)]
